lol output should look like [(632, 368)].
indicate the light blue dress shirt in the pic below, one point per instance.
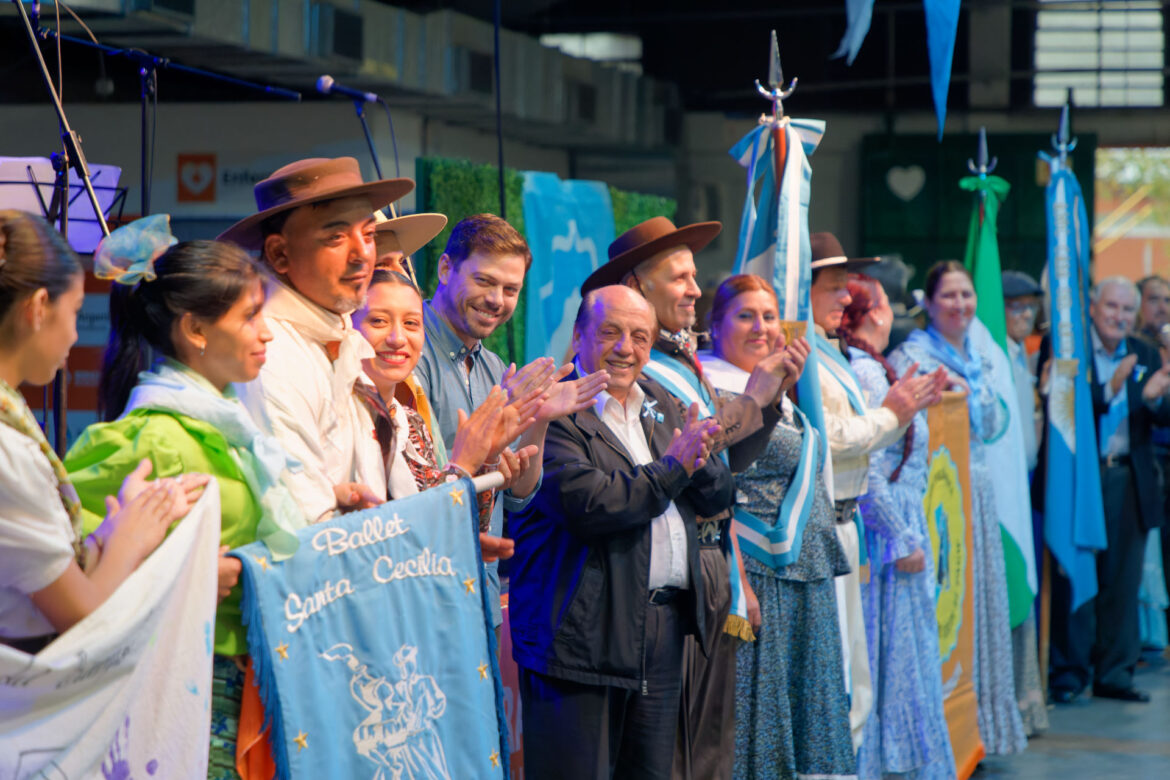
[(443, 373)]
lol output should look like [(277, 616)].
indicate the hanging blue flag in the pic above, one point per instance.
[(942, 23), (1074, 517), (373, 648), (858, 14)]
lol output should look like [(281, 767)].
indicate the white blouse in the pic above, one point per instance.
[(36, 537)]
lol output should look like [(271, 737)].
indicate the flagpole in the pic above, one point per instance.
[(776, 93), (980, 167)]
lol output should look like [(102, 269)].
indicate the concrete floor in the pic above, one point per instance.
[(1099, 738)]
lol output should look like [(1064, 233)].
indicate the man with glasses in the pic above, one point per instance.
[(1021, 303)]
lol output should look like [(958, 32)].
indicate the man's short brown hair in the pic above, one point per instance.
[(486, 234)]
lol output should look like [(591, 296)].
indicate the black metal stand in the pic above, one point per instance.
[(148, 80), (75, 158)]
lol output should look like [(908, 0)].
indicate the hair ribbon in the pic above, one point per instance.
[(127, 255)]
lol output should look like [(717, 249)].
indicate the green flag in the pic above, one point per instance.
[(1005, 450), (982, 257)]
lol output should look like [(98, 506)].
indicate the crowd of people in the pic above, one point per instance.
[(687, 593)]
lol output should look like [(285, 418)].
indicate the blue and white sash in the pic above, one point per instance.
[(680, 381), (684, 384), (836, 364), (774, 543)]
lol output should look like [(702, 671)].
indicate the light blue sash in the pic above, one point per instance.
[(1118, 410), (777, 543), (842, 371)]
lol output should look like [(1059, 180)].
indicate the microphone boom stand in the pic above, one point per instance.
[(75, 158)]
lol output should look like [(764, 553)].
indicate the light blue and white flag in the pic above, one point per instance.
[(126, 692), (569, 227), (858, 15), (774, 244), (373, 645), (1074, 517)]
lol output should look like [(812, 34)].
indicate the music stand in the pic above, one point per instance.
[(27, 183)]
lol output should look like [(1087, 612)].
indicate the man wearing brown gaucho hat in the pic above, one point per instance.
[(315, 229), (657, 259), (854, 431)]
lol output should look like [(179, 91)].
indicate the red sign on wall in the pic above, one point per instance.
[(196, 174)]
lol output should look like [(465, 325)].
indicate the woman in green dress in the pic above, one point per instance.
[(198, 306)]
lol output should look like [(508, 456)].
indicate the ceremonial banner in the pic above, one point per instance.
[(948, 510), (1074, 516), (126, 692), (569, 227), (1005, 450), (373, 646)]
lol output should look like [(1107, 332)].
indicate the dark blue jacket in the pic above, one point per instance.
[(578, 591)]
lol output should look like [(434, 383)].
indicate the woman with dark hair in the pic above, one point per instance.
[(792, 710), (392, 321), (51, 575), (198, 305), (906, 733), (947, 342)]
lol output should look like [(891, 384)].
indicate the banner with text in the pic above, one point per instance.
[(948, 511), (126, 692), (372, 645), (569, 225)]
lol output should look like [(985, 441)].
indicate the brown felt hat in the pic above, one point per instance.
[(311, 181), (645, 240), (406, 234), (827, 252)]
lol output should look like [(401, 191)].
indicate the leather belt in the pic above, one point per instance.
[(845, 507), (1116, 461), (660, 596)]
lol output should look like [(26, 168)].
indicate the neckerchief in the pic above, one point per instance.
[(842, 371), (174, 388), (14, 413), (314, 322), (970, 369)]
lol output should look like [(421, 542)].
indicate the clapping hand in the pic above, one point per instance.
[(795, 355), (1157, 385), (541, 380), (692, 445)]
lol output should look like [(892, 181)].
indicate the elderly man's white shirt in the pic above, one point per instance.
[(852, 436), (668, 536), (307, 400)]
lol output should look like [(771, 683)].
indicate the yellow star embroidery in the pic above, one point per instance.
[(482, 671), (302, 740), (457, 497), (494, 758), (469, 584), (260, 559), (282, 651)]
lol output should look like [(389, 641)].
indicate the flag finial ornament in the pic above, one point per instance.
[(981, 166), (775, 90)]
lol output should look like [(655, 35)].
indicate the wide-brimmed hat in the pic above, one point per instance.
[(827, 252), (311, 181), (406, 234), (645, 240)]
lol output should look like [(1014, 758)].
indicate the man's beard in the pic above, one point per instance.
[(347, 304)]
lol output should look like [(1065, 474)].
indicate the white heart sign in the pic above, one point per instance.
[(906, 181), (196, 176)]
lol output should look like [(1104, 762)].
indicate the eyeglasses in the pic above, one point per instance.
[(1020, 307)]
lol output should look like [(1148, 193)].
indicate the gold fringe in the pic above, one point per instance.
[(739, 627)]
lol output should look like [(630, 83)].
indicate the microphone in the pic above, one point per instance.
[(327, 86)]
